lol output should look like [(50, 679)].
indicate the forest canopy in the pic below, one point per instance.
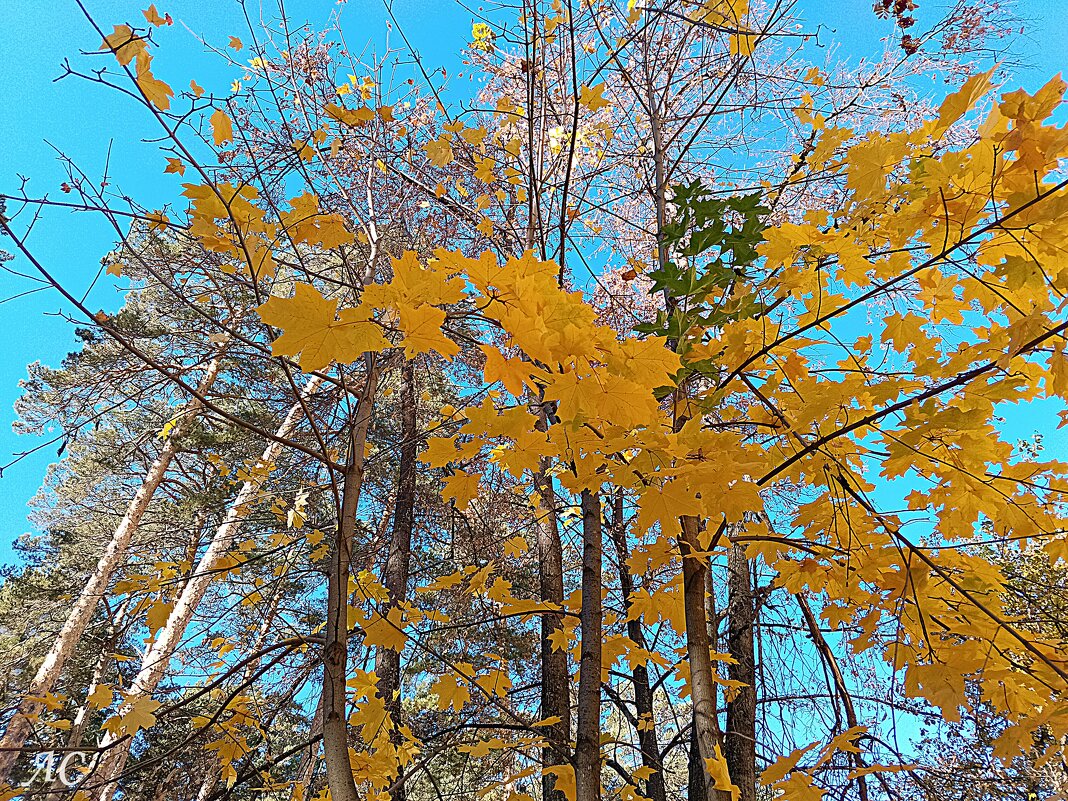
[(639, 419)]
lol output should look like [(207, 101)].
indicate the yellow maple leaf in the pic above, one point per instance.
[(158, 93), (800, 787), (484, 170), (513, 373), (51, 701), (124, 44), (157, 615), (784, 764), (101, 696), (742, 44), (495, 682), (439, 451), (958, 104), (313, 328), (349, 116), (421, 326), (565, 779), (903, 330), (516, 546), (439, 151), (134, 715), (665, 505), (716, 766), (869, 163), (451, 693), (484, 747), (222, 128), (385, 632), (474, 136), (461, 488), (592, 97), (155, 18), (414, 285)]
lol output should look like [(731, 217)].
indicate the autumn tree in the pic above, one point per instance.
[(689, 533)]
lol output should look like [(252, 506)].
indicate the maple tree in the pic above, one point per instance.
[(487, 534)]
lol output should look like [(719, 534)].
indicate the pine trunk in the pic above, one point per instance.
[(158, 655), (114, 556)]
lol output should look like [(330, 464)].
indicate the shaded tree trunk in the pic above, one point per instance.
[(588, 735), (643, 695), (739, 740), (398, 562), (114, 556), (555, 682)]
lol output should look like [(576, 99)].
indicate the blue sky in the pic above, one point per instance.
[(84, 122)]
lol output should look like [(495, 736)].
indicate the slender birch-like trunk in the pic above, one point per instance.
[(698, 652), (158, 655), (114, 556), (336, 648)]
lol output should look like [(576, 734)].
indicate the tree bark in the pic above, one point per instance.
[(157, 656), (335, 650), (555, 681), (48, 674), (588, 735), (739, 740), (698, 652), (398, 562), (643, 695)]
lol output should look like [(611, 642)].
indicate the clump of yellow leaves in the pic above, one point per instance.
[(964, 250), (129, 47)]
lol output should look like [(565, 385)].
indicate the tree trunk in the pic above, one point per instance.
[(76, 734), (555, 681), (588, 736), (739, 741), (698, 789), (698, 647), (48, 674), (335, 649), (158, 655), (643, 695), (398, 562)]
